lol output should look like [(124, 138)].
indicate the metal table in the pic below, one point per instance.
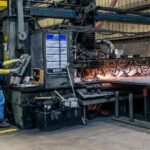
[(85, 103), (143, 82)]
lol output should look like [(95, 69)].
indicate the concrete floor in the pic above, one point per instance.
[(103, 134)]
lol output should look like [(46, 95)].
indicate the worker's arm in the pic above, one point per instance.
[(10, 62), (7, 71), (4, 71)]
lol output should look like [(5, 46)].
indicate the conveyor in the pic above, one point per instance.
[(143, 81)]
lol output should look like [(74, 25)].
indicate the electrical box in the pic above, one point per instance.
[(51, 51)]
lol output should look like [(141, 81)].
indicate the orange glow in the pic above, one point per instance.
[(94, 73), (113, 73), (91, 73)]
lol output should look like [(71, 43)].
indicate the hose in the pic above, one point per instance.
[(107, 43)]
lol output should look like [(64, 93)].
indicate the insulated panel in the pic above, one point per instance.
[(49, 22)]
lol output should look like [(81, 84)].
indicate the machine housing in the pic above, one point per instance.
[(51, 51)]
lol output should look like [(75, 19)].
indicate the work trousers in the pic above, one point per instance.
[(2, 103)]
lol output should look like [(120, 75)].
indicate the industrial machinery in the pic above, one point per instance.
[(66, 57), (22, 68), (51, 51)]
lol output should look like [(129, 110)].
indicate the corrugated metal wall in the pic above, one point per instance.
[(132, 3), (49, 22), (123, 3), (122, 26)]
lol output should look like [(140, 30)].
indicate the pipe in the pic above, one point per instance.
[(113, 3), (108, 43), (110, 86)]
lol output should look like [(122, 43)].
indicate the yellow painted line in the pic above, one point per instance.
[(8, 131)]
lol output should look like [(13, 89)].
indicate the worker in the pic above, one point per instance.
[(4, 71)]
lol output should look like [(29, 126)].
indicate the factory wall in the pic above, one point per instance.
[(122, 26), (49, 22), (141, 47), (123, 3)]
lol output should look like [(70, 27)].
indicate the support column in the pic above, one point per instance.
[(145, 94), (117, 105), (131, 117)]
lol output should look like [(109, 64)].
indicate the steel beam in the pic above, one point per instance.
[(53, 13), (46, 12), (72, 14), (122, 18)]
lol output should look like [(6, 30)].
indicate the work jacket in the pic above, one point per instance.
[(4, 70), (4, 65)]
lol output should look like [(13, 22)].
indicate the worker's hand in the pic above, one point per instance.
[(15, 71), (18, 61), (10, 62)]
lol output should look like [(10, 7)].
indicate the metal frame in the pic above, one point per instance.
[(116, 98), (21, 13), (53, 13), (43, 12), (131, 120)]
